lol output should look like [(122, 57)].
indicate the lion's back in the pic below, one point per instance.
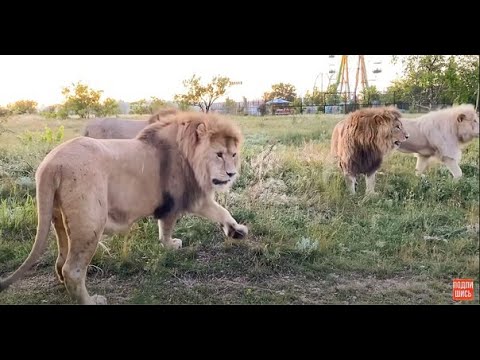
[(435, 132), (113, 128)]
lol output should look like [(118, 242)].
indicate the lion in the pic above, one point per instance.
[(88, 187), (440, 135), (360, 142), (113, 128)]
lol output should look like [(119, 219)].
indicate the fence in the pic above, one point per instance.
[(330, 103)]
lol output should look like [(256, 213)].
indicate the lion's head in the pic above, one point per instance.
[(218, 150), (377, 127), (209, 143), (466, 121), (399, 134)]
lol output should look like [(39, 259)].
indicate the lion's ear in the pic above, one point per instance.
[(461, 117), (201, 130)]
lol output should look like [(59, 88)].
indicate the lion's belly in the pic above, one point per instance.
[(113, 226)]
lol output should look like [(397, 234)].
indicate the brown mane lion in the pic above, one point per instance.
[(113, 128), (87, 187), (440, 135), (360, 142)]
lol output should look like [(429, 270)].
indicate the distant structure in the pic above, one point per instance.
[(343, 83)]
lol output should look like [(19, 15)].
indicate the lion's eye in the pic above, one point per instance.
[(219, 154), (398, 127), (235, 154)]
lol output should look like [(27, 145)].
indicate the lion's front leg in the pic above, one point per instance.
[(370, 184), (210, 209), (165, 230), (351, 182), (452, 165)]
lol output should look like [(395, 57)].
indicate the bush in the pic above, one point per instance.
[(23, 107), (4, 112)]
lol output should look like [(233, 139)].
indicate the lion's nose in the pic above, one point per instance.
[(406, 136), (231, 173)]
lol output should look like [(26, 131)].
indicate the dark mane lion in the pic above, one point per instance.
[(360, 142)]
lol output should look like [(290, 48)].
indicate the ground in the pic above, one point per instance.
[(309, 243)]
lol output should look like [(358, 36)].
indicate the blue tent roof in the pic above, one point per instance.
[(278, 101)]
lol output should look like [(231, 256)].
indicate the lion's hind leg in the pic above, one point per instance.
[(75, 268), (83, 237), (62, 242), (422, 164)]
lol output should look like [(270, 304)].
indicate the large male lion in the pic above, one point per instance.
[(87, 187), (360, 142), (113, 128), (441, 134)]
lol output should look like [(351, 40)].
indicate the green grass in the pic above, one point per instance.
[(309, 241)]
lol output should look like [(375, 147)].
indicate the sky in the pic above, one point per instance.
[(133, 77)]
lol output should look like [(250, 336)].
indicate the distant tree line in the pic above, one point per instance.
[(427, 80)]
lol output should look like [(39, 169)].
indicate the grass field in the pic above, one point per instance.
[(309, 242)]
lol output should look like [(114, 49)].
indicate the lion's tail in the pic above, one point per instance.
[(45, 196)]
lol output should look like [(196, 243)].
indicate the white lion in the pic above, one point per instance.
[(441, 134)]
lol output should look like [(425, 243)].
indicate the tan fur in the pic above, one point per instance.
[(360, 142), (87, 187), (113, 128), (440, 135)]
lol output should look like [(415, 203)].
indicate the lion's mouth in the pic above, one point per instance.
[(397, 143), (220, 182)]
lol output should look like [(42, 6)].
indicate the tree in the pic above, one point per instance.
[(139, 107), (23, 107), (466, 84), (332, 96), (434, 79), (369, 95), (281, 90), (81, 100), (144, 106), (50, 112), (203, 96), (156, 104), (109, 107), (230, 106), (316, 98)]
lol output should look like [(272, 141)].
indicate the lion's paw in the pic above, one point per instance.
[(174, 244), (99, 299), (237, 231)]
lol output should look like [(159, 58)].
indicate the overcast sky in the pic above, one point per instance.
[(133, 77)]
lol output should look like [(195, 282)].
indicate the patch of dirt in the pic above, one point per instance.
[(342, 289), (333, 288), (45, 288)]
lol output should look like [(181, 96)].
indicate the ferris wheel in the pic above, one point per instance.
[(343, 80)]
